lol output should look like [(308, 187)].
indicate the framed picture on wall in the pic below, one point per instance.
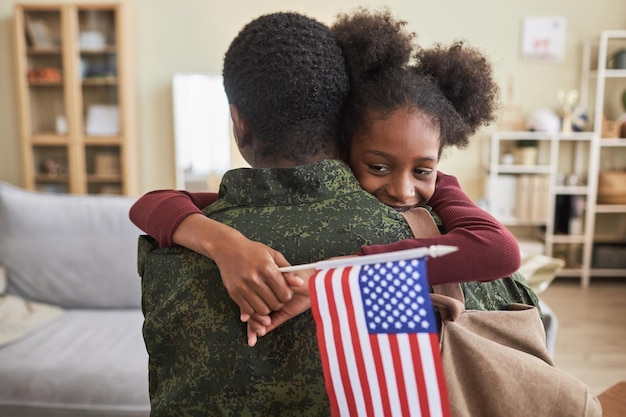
[(543, 39)]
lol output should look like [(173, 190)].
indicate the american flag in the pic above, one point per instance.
[(378, 340)]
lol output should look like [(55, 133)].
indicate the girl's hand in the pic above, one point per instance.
[(251, 276), (260, 325), (249, 269)]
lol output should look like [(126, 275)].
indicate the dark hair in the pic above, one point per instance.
[(286, 74), (452, 87)]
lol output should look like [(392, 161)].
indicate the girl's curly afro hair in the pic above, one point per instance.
[(451, 86)]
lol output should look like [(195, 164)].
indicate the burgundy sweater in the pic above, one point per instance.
[(487, 250)]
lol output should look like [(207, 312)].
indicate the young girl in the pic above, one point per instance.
[(398, 120)]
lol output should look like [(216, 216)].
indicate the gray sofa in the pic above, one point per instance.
[(70, 307)]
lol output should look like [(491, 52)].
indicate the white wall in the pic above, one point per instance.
[(192, 35)]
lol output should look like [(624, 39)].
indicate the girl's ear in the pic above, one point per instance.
[(241, 128)]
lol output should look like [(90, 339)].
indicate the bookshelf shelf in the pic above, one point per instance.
[(610, 143), (568, 238), (571, 190), (610, 208), (524, 169), (608, 272)]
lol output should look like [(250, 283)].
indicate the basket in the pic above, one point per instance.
[(612, 187), (610, 129)]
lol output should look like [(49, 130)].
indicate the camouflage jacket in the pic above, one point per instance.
[(199, 361)]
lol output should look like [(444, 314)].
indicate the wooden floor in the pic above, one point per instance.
[(591, 338)]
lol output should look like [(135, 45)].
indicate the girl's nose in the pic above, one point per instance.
[(403, 190)]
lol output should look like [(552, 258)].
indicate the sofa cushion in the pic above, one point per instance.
[(85, 363), (69, 250)]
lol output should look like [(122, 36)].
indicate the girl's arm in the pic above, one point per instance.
[(158, 213), (249, 269), (487, 250)]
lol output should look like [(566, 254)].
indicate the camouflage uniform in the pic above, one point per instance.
[(495, 295), (200, 364)]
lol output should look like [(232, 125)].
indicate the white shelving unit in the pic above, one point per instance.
[(578, 156), (561, 171), (608, 221)]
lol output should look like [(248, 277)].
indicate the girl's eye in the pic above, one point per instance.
[(378, 168), (423, 171)]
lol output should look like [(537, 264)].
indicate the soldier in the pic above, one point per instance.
[(286, 80)]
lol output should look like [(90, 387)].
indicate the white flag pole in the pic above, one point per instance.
[(433, 251)]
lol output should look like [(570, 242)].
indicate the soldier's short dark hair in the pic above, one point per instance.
[(286, 74)]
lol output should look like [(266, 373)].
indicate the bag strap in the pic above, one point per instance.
[(422, 224)]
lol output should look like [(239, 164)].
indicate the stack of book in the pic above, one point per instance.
[(520, 199)]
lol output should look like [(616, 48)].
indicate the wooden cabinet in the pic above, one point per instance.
[(76, 95)]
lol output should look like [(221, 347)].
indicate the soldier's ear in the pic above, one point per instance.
[(241, 128)]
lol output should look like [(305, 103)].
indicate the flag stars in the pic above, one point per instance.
[(394, 297)]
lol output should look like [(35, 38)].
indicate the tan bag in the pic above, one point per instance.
[(496, 363)]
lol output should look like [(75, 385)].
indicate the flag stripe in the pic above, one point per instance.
[(430, 373), (399, 374), (359, 382), (374, 394), (407, 342), (347, 363), (388, 372), (437, 394), (323, 328), (419, 375), (380, 371), (441, 378)]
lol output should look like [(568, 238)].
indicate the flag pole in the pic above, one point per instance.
[(432, 251)]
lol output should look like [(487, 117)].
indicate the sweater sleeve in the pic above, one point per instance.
[(487, 249), (158, 213)]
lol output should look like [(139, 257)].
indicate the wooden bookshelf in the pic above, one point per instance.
[(76, 89)]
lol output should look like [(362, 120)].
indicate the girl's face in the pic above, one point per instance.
[(396, 159)]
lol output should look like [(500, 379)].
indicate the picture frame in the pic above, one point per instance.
[(543, 39)]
